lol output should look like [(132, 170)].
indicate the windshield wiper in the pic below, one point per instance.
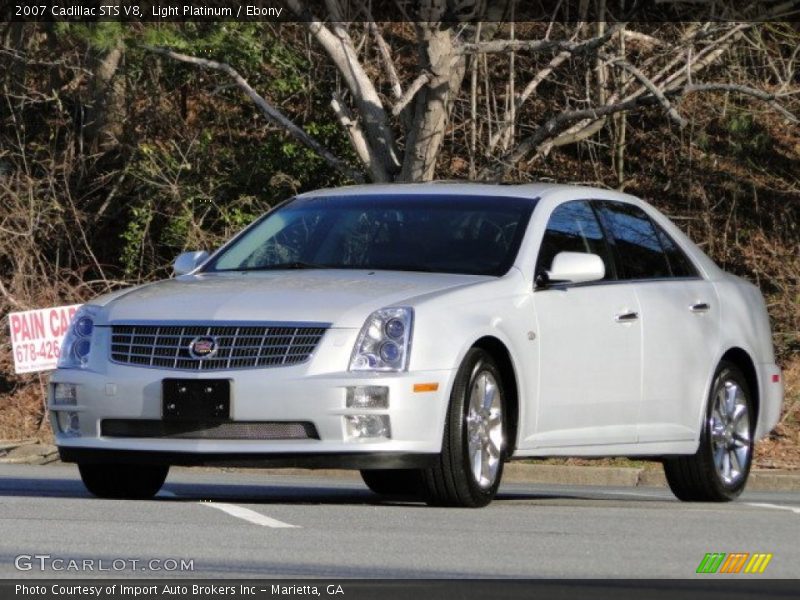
[(300, 265), (420, 268), (287, 266)]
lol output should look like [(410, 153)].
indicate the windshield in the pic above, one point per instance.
[(446, 234)]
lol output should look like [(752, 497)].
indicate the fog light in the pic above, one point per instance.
[(368, 396), (367, 426), (65, 394), (69, 423)]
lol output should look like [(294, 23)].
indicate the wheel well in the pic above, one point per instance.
[(742, 360), (500, 354)]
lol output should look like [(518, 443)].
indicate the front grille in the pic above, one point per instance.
[(204, 430), (234, 346)]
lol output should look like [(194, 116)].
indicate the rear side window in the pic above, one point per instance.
[(573, 227), (637, 242), (679, 263)]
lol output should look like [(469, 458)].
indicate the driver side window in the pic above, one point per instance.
[(573, 227)]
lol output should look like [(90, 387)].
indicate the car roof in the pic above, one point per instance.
[(448, 188)]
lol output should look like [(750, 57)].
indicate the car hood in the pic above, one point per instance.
[(342, 298)]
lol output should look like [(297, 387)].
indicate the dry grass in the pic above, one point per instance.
[(21, 413)]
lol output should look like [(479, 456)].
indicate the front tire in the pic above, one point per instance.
[(131, 482), (718, 471), (470, 465)]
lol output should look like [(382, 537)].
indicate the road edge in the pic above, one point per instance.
[(28, 452)]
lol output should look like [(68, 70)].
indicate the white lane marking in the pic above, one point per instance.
[(794, 509), (248, 515)]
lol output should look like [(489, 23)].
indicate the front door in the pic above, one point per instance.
[(590, 343)]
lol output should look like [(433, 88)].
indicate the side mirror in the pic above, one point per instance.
[(573, 267), (189, 261)]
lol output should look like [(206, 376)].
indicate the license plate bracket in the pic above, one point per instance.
[(196, 399)]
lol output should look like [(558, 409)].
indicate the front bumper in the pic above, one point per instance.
[(280, 394)]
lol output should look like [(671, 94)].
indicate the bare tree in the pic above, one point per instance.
[(398, 114)]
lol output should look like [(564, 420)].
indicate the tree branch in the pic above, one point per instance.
[(652, 88), (568, 49), (11, 299), (770, 99), (339, 46), (499, 46), (710, 53), (638, 36), (410, 92), (356, 135), (531, 87), (386, 56), (269, 111), (557, 124)]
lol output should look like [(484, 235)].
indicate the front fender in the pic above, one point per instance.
[(455, 337)]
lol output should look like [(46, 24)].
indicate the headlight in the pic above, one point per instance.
[(78, 341), (384, 341)]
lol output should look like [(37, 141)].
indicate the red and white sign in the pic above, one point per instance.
[(36, 337)]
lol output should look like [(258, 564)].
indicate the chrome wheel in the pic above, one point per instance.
[(718, 471), (469, 468), (729, 425), (484, 421)]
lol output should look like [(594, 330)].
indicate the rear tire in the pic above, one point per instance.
[(393, 482), (132, 482), (470, 465), (718, 471)]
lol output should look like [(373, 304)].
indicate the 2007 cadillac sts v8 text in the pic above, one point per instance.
[(425, 334)]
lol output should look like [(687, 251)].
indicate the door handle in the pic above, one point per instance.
[(628, 317), (700, 307)]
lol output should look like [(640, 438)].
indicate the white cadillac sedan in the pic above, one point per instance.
[(426, 334)]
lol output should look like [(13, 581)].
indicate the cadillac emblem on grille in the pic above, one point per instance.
[(203, 347)]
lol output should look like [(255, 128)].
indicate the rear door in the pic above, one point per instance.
[(589, 343), (679, 314)]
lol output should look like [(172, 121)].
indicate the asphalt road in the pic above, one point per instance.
[(250, 524)]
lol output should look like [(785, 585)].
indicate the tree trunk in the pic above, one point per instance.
[(440, 56), (433, 103), (106, 112)]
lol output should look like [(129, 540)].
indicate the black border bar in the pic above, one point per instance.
[(447, 11), (413, 589)]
